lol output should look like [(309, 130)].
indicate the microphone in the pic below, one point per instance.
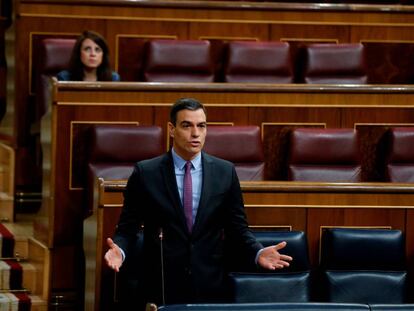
[(161, 237)]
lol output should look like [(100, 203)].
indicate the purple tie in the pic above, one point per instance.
[(188, 196)]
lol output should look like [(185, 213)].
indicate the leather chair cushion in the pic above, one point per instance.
[(366, 286), (241, 145), (178, 61), (400, 158), (377, 249), (329, 155), (280, 287), (124, 143), (259, 62), (335, 63), (114, 149), (55, 55)]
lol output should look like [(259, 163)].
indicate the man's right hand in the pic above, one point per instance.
[(113, 256)]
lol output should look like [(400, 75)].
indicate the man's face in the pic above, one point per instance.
[(189, 133)]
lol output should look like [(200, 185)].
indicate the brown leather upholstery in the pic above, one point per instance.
[(335, 63), (113, 150), (400, 160), (241, 145), (54, 57), (261, 62), (326, 155), (178, 61)]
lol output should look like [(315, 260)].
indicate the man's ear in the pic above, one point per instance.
[(171, 129)]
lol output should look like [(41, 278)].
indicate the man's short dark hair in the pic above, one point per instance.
[(185, 103)]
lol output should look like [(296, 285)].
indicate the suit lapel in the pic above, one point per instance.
[(170, 182)]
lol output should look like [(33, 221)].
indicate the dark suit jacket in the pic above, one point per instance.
[(193, 264)]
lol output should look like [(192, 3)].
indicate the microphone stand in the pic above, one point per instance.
[(161, 236)]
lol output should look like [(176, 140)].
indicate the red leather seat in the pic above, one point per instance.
[(334, 63), (178, 61), (325, 155), (54, 56), (400, 155), (241, 145), (114, 149), (261, 62)]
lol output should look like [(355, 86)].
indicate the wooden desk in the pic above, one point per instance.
[(77, 105), (304, 206)]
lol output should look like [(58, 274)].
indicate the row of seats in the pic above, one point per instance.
[(242, 61), (357, 266), (198, 61), (334, 155), (315, 154)]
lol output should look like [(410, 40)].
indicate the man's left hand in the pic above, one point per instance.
[(270, 258)]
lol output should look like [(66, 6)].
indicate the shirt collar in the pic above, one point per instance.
[(180, 162)]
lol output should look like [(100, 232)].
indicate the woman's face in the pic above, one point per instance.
[(91, 54)]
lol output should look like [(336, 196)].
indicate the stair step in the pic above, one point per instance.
[(38, 304), (6, 207), (34, 256), (30, 277), (21, 231)]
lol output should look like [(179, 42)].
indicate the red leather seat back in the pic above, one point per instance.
[(114, 149), (260, 62), (400, 160), (241, 145), (178, 61), (325, 155), (335, 63), (54, 56)]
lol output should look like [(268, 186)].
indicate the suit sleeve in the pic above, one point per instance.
[(238, 230), (131, 216)]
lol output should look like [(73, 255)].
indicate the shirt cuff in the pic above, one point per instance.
[(257, 255)]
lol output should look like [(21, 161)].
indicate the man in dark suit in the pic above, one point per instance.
[(184, 251)]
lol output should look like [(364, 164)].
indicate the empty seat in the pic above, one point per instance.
[(363, 265), (334, 63), (114, 149), (291, 284), (178, 61), (241, 145), (400, 155), (260, 62), (325, 155), (54, 56)]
